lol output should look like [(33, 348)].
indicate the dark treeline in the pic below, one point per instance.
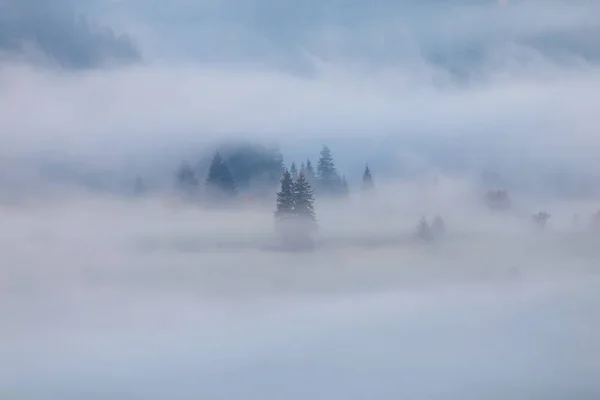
[(253, 172), (232, 171)]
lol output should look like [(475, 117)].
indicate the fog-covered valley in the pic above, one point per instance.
[(149, 298), (256, 200)]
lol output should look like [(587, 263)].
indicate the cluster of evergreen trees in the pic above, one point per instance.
[(244, 167), (256, 170), (326, 180), (295, 211), (295, 217)]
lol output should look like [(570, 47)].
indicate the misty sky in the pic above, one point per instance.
[(397, 83), (467, 39)]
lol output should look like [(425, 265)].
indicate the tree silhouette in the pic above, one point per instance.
[(304, 201), (285, 199), (424, 231), (540, 219), (295, 219), (367, 181)]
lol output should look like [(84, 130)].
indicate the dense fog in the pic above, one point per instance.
[(455, 237), (150, 298)]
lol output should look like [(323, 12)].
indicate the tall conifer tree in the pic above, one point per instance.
[(304, 200), (326, 170), (285, 198)]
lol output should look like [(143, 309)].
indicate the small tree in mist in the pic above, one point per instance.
[(367, 180), (187, 183), (219, 182), (498, 199), (295, 218), (294, 171), (328, 178), (326, 171), (540, 219)]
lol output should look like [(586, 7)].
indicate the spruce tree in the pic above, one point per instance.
[(294, 171), (285, 198), (295, 215), (367, 181), (328, 179), (326, 171), (304, 201), (220, 181)]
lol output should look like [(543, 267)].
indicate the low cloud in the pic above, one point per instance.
[(125, 299), (401, 77), (141, 110), (111, 298), (57, 33)]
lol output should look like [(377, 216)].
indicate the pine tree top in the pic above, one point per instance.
[(303, 198), (326, 169)]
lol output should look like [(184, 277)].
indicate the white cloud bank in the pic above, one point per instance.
[(107, 299)]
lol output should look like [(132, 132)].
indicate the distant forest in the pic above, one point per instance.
[(236, 174), (252, 172)]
